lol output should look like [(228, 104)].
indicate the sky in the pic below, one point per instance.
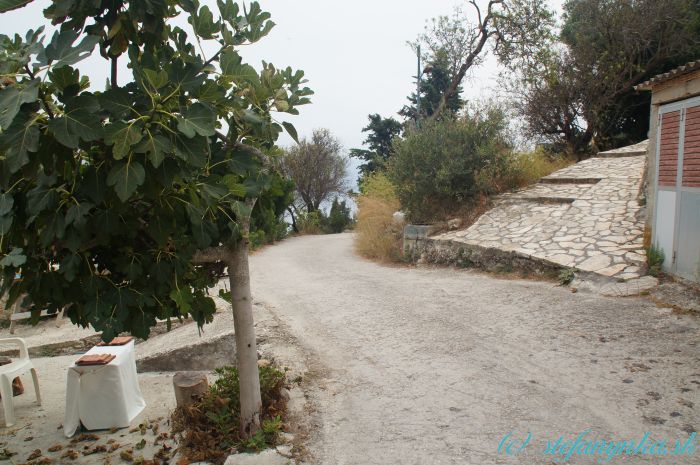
[(354, 54)]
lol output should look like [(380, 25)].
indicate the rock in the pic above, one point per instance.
[(266, 457), (286, 438), (399, 217), (631, 287), (284, 394), (285, 450), (454, 223), (263, 362)]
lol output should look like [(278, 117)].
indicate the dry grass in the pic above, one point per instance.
[(378, 237), (528, 168)]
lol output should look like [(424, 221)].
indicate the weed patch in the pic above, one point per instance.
[(208, 430)]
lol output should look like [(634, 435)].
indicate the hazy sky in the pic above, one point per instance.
[(354, 54)]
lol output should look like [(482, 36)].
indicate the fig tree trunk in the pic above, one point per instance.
[(246, 349)]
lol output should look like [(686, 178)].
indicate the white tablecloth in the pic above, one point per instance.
[(103, 396)]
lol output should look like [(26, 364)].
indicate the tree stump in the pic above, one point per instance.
[(189, 386)]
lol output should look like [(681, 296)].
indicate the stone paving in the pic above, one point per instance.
[(585, 216)]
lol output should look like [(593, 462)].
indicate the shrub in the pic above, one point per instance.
[(444, 165), (377, 235), (310, 223), (209, 427)]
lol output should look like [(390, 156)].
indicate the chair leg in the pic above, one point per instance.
[(6, 392), (35, 378)]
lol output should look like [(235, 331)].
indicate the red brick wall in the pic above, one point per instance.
[(691, 148), (668, 156)]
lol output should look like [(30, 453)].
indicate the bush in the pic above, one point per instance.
[(209, 427), (444, 165), (377, 235), (310, 223)]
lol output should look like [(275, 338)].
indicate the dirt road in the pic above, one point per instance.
[(436, 366)]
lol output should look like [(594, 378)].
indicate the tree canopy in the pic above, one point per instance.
[(381, 133), (317, 167), (580, 90), (108, 196)]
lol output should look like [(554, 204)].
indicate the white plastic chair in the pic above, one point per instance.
[(10, 372)]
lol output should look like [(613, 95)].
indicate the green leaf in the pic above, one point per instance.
[(5, 224), (291, 130), (198, 119), (126, 177), (12, 98), (39, 199), (183, 299), (194, 151), (234, 186), (15, 258), (228, 9), (6, 203), (229, 61), (75, 125), (64, 77), (226, 295), (157, 79), (241, 73), (249, 116), (7, 5), (122, 136), (117, 102), (203, 23), (210, 92), (77, 214), (155, 146), (21, 138), (61, 50)]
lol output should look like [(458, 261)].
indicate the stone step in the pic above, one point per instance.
[(563, 180), (613, 154)]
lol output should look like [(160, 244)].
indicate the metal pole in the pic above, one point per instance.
[(418, 76)]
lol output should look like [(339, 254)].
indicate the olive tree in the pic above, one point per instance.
[(317, 168), (126, 205)]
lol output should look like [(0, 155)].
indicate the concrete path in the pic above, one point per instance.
[(434, 366), (585, 216)]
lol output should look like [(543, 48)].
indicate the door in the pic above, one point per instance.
[(677, 212)]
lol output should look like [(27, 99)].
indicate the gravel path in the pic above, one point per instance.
[(435, 366)]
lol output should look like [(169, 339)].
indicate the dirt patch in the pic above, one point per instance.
[(682, 296)]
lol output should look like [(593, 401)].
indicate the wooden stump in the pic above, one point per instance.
[(189, 386)]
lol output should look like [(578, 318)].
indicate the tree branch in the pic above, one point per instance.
[(484, 35)]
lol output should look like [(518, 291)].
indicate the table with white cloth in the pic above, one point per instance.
[(103, 396)]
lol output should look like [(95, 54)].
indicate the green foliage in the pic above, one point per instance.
[(566, 276), (310, 222), (655, 260), (339, 218), (209, 428), (435, 83), (444, 165), (268, 225), (266, 437), (108, 195), (381, 135)]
